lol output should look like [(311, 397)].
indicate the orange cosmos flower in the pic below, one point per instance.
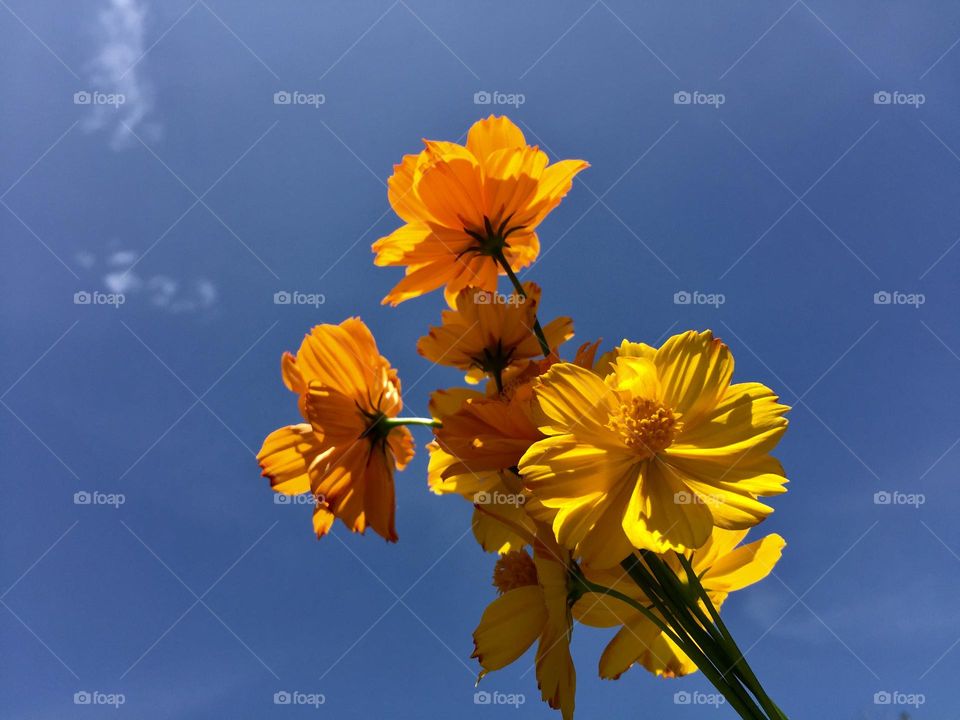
[(489, 333), (347, 450), (468, 209), (475, 456)]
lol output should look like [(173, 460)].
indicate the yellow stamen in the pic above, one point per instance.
[(645, 426)]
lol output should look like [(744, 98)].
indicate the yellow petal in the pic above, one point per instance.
[(642, 642), (745, 425), (573, 400), (663, 514), (556, 674), (493, 527), (744, 566), (509, 626), (635, 376), (695, 370), (561, 470), (606, 545)]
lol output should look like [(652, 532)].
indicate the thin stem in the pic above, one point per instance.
[(740, 664), (701, 653), (537, 328)]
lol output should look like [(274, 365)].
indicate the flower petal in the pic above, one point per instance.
[(491, 134), (642, 642), (748, 420), (400, 191), (286, 455), (450, 185), (508, 627), (695, 370), (744, 566), (663, 514), (574, 400)]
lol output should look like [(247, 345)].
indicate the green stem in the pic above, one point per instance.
[(537, 328), (703, 654), (740, 664)]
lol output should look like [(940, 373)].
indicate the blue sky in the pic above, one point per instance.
[(794, 192)]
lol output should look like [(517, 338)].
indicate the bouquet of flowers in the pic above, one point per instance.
[(615, 487)]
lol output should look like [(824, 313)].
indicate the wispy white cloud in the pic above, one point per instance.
[(116, 71), (177, 296)]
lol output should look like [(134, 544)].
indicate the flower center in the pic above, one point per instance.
[(492, 239), (513, 570), (645, 426)]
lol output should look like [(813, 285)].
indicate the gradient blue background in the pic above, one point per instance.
[(677, 198)]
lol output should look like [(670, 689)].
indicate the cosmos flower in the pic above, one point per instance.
[(653, 449), (468, 210), (489, 333), (532, 607), (475, 456), (346, 451)]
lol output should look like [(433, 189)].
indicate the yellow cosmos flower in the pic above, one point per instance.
[(347, 450), (657, 452), (532, 607), (489, 333), (722, 567), (465, 207)]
